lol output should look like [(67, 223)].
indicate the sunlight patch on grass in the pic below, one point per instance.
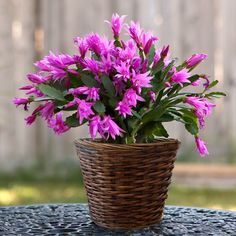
[(58, 192)]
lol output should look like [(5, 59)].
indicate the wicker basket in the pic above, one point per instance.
[(126, 184)]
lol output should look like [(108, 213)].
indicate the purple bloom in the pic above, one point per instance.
[(37, 79), (84, 110), (128, 52), (116, 24), (180, 77), (82, 45), (94, 43), (59, 73), (119, 85), (147, 40), (152, 95), (92, 93), (106, 64), (165, 51), (47, 110), (57, 124), (198, 82), (131, 97), (123, 109), (94, 126), (200, 104), (141, 81), (21, 101), (202, 107), (110, 128), (123, 71), (162, 53), (195, 59), (201, 146), (30, 119), (43, 65), (135, 32), (92, 65)]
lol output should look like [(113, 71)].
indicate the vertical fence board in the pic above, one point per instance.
[(188, 26)]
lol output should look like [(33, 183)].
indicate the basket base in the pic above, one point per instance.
[(116, 226)]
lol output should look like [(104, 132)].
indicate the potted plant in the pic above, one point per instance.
[(125, 91)]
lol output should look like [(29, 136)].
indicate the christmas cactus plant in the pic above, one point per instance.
[(124, 90)]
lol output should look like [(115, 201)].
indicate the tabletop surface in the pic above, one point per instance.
[(73, 219)]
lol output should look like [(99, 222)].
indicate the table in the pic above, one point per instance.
[(73, 219)]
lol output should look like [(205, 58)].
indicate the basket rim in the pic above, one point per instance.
[(158, 142)]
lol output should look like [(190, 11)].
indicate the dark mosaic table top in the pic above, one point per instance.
[(73, 219)]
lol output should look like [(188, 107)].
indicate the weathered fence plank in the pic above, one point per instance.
[(33, 27)]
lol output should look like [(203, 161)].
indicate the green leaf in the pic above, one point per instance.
[(158, 67), (89, 81), (160, 131), (129, 140), (215, 95), (51, 92), (167, 70), (151, 54), (113, 101), (136, 114), (213, 84), (72, 120), (192, 79), (99, 107), (154, 129), (189, 114), (192, 128), (108, 85), (166, 118), (40, 99)]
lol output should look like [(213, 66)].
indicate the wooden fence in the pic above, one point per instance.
[(30, 28)]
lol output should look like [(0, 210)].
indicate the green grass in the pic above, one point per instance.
[(17, 192)]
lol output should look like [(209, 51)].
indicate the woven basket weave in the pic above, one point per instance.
[(126, 185)]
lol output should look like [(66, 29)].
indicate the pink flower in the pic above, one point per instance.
[(198, 82), (200, 104), (180, 77), (123, 71), (128, 52), (47, 110), (30, 119), (43, 65), (119, 85), (92, 65), (195, 59), (162, 53), (82, 45), (131, 97), (152, 95), (94, 126), (57, 124), (123, 109), (116, 24), (135, 32), (84, 110), (94, 43), (21, 101), (147, 40), (141, 81), (37, 79), (202, 107), (202, 149), (92, 93), (110, 128), (106, 64), (165, 51)]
